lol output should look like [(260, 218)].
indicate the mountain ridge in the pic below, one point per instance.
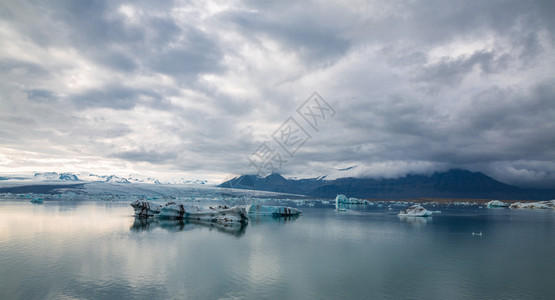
[(455, 183)]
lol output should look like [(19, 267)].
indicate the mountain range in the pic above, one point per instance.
[(89, 177), (451, 184)]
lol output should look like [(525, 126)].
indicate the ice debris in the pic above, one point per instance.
[(535, 205), (415, 211), (497, 203)]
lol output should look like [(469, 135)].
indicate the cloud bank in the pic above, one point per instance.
[(192, 88)]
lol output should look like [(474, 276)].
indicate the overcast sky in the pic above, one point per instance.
[(193, 88)]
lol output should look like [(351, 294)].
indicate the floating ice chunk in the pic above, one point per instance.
[(344, 200), (497, 203), (477, 233), (535, 205), (340, 198), (415, 211), (145, 209), (219, 214), (263, 210), (338, 201), (38, 200)]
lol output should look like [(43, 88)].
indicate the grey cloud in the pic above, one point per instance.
[(305, 34), (118, 97), (40, 95), (399, 107), (450, 72), (144, 155), (198, 55), (116, 60), (17, 69)]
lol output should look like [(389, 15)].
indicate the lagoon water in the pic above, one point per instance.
[(91, 250)]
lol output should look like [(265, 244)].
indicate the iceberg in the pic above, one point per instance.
[(220, 214), (415, 211), (342, 199), (535, 205), (145, 209), (338, 202), (38, 200), (276, 211), (497, 203)]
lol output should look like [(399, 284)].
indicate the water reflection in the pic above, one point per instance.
[(145, 224), (417, 221), (272, 219), (97, 250)]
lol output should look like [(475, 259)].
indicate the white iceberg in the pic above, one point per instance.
[(497, 203), (219, 214), (145, 209), (276, 211), (535, 205), (342, 199), (338, 202), (415, 211)]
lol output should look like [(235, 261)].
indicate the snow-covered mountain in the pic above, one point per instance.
[(89, 177), (185, 181), (46, 176), (138, 178)]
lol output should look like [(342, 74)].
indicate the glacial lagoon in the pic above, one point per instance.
[(97, 249)]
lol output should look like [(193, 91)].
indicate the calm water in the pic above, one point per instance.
[(98, 250)]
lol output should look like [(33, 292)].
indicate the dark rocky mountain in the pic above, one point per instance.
[(451, 184)]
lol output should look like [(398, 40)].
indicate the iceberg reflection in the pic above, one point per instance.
[(176, 225), (415, 220), (261, 219)]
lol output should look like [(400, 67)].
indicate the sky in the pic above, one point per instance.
[(211, 89)]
